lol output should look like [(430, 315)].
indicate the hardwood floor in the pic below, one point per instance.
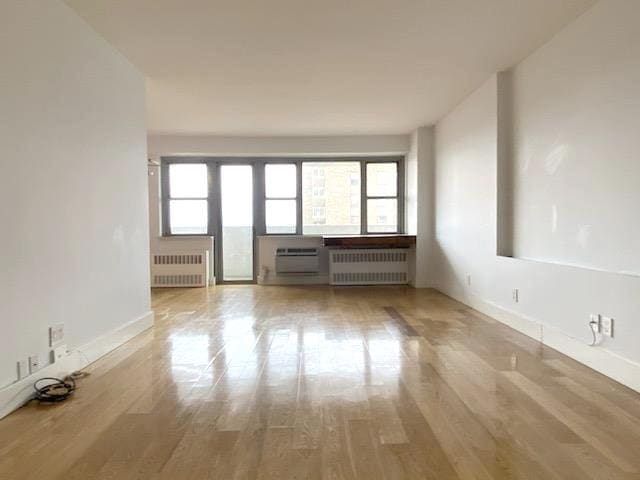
[(240, 382)]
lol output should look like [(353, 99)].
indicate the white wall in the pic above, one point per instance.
[(576, 109), (419, 202), (73, 200), (269, 146), (555, 301)]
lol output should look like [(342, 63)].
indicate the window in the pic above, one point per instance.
[(331, 199), (313, 196), (188, 199), (382, 197), (280, 198)]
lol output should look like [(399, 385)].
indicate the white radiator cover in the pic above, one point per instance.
[(371, 266), (180, 269)]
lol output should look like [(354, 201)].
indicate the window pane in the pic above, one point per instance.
[(280, 181), (188, 180), (382, 179), (382, 215), (280, 216), (331, 197), (188, 216)]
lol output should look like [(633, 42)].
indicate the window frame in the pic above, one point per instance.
[(398, 197), (297, 198), (166, 196), (364, 161), (260, 197)]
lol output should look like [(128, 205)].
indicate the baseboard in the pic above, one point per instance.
[(620, 369), (102, 345), (293, 280), (15, 395), (612, 365)]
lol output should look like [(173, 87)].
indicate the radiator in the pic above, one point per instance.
[(297, 261), (373, 266), (180, 269)]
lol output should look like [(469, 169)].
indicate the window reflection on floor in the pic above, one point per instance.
[(243, 353)]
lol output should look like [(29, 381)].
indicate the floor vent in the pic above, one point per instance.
[(179, 269), (368, 266)]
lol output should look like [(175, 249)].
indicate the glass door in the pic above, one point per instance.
[(236, 223)]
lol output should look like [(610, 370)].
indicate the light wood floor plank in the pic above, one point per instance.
[(249, 382)]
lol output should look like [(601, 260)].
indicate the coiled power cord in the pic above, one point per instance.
[(56, 390)]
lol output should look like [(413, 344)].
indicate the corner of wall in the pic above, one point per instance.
[(420, 200), (17, 394)]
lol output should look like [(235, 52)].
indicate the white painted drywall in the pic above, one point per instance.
[(554, 301), (576, 111), (419, 202), (73, 190), (160, 145)]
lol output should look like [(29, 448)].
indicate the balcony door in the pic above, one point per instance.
[(237, 221)]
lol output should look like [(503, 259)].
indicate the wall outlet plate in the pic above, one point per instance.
[(56, 334), (469, 280), (34, 363), (595, 323), (516, 295), (607, 326), (59, 353)]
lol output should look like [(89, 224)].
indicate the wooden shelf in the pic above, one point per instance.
[(370, 241)]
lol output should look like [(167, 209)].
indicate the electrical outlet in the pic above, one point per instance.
[(34, 363), (515, 295), (59, 353), (607, 326), (469, 280), (56, 334), (22, 369)]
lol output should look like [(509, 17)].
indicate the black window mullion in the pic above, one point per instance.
[(400, 195), (298, 197), (364, 224), (211, 203), (164, 195)]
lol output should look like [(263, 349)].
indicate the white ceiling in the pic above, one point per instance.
[(318, 67)]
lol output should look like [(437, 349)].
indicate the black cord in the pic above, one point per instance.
[(56, 391)]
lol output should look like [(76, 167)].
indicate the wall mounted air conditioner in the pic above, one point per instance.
[(297, 261), (371, 266)]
